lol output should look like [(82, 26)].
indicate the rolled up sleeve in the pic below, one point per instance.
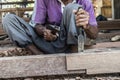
[(87, 5), (39, 13)]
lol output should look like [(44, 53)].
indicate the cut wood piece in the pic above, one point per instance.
[(17, 11), (109, 25), (40, 65), (105, 45), (1, 29), (4, 42), (99, 63)]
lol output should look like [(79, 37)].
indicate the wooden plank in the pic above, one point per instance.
[(109, 25), (105, 45), (8, 3), (16, 9), (1, 29), (108, 35), (99, 63), (5, 42), (49, 65), (40, 65)]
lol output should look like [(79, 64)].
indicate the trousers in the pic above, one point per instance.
[(23, 34)]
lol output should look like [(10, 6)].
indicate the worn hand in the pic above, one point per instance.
[(40, 29), (49, 36), (82, 18)]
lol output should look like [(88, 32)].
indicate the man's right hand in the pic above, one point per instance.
[(46, 33), (40, 29), (49, 36)]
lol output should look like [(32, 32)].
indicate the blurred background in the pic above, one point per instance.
[(107, 8)]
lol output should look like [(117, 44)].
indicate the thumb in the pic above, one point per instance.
[(45, 33), (74, 11)]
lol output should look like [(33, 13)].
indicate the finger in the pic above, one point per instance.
[(74, 11), (48, 32), (45, 37), (81, 17), (82, 23), (82, 20), (86, 14), (45, 33), (48, 36), (81, 12)]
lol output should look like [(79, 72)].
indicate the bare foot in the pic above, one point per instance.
[(34, 49)]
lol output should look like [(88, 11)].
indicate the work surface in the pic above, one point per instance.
[(101, 58), (93, 61)]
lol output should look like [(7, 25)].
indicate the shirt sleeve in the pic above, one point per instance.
[(87, 5), (39, 13)]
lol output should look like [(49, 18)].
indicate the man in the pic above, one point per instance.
[(63, 13)]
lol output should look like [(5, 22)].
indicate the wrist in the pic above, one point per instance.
[(87, 27), (40, 29)]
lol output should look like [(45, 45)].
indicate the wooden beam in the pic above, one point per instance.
[(105, 61), (109, 25), (40, 65), (8, 3), (16, 9), (105, 45), (99, 63)]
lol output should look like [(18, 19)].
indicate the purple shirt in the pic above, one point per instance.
[(49, 11)]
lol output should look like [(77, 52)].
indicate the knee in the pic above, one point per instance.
[(70, 7), (8, 18)]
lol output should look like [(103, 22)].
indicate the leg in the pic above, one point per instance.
[(24, 35), (19, 32), (34, 49), (69, 24)]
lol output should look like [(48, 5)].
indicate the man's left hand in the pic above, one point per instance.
[(82, 18)]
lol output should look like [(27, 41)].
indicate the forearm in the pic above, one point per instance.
[(92, 32)]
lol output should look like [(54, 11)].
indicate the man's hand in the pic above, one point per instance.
[(40, 29), (82, 18), (49, 36), (46, 33)]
